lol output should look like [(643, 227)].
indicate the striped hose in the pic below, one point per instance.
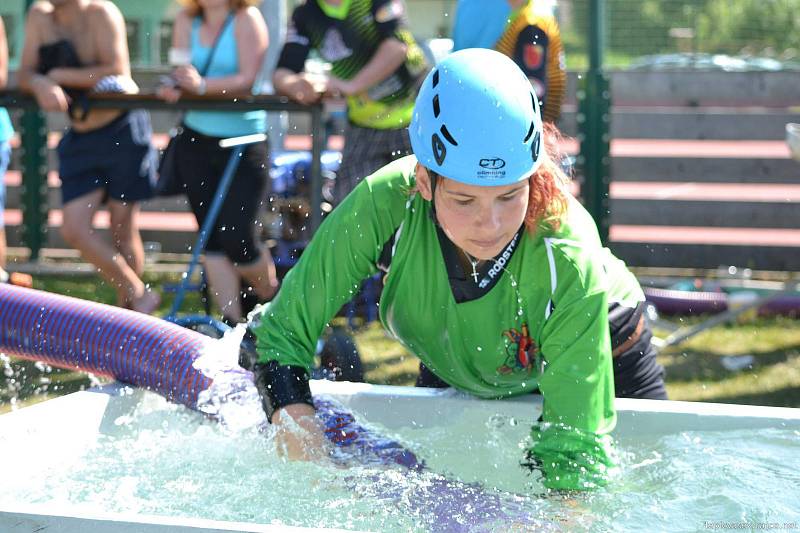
[(109, 341)]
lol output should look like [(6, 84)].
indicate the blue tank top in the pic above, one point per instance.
[(224, 63), (6, 131)]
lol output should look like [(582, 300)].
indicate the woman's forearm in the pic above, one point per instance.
[(85, 77), (390, 55)]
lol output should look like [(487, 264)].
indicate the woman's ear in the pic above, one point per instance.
[(423, 182)]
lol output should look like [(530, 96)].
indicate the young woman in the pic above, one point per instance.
[(239, 32), (495, 276), (73, 47)]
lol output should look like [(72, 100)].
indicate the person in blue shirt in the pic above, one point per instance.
[(227, 40)]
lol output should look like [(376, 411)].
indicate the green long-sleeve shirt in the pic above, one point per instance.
[(542, 325)]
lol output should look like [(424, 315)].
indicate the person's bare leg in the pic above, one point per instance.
[(223, 281), (125, 233), (261, 275), (78, 232)]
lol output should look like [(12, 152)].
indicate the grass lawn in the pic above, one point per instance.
[(695, 368)]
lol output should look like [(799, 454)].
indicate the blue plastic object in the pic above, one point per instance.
[(289, 170)]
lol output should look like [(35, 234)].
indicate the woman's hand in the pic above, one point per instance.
[(168, 94), (338, 88), (304, 90), (188, 78), (49, 95), (299, 435)]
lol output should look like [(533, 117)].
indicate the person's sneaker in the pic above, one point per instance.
[(21, 280), (16, 278)]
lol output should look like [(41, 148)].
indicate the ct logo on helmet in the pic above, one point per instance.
[(492, 163)]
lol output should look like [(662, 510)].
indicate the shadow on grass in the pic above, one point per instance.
[(786, 397), (697, 365), (389, 361)]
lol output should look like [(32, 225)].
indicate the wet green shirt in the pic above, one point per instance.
[(543, 325)]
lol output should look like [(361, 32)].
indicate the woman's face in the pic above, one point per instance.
[(479, 220)]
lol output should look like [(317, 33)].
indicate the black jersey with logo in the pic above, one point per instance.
[(349, 43)]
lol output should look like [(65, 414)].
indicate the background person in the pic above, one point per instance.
[(495, 276), (232, 251), (6, 132), (376, 64), (527, 32), (73, 47)]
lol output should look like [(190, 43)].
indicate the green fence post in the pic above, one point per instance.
[(34, 180), (594, 120)]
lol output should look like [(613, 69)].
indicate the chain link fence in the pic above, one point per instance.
[(700, 34)]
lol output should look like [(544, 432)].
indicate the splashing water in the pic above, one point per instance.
[(163, 459)]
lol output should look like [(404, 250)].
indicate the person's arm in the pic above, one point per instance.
[(112, 46), (49, 95), (251, 42), (572, 446), (181, 39), (389, 18), (3, 56), (387, 59), (289, 78), (343, 252)]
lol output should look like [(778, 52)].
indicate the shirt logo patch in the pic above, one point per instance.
[(333, 46), (520, 353), (533, 55), (391, 11)]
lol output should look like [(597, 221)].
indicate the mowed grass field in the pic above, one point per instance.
[(695, 368)]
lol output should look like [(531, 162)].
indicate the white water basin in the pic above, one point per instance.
[(44, 437)]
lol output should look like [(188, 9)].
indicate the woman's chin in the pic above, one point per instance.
[(484, 251)]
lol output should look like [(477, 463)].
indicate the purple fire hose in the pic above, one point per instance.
[(157, 355), (680, 302)]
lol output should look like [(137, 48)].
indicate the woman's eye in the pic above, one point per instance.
[(507, 198), (463, 202)]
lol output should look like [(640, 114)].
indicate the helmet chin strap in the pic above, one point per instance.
[(433, 177)]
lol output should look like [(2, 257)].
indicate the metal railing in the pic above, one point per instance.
[(33, 134)]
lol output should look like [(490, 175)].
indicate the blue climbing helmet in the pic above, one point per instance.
[(476, 120)]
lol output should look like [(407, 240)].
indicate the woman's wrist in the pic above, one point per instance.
[(202, 87)]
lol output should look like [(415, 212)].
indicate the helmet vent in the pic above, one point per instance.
[(435, 78), (447, 135), (436, 109), (439, 149), (536, 146), (530, 132)]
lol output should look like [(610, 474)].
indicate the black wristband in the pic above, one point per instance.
[(281, 385)]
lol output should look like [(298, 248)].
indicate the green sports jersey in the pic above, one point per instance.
[(542, 325)]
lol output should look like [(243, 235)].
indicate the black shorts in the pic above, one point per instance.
[(117, 157), (365, 151), (200, 164)]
